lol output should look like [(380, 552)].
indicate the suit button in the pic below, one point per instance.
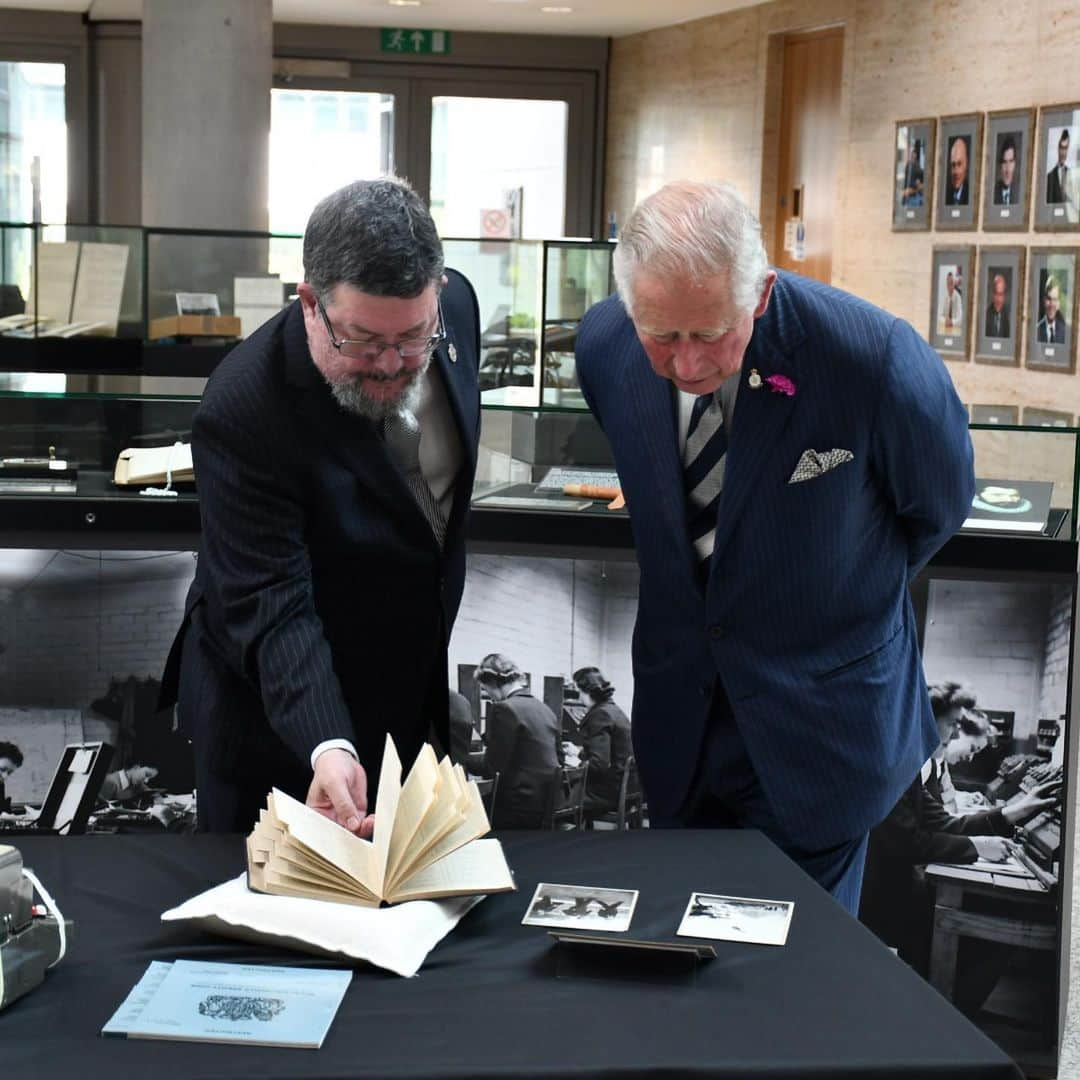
[(717, 632)]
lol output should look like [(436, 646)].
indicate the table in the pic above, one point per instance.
[(832, 1003), (1032, 925)]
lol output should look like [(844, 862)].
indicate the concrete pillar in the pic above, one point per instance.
[(206, 76), (207, 68)]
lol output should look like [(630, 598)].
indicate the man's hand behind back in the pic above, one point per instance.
[(339, 791)]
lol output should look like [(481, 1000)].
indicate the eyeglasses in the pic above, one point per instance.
[(370, 351)]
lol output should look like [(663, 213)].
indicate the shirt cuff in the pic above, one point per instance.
[(333, 744)]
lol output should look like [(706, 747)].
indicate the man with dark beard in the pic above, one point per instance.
[(334, 452)]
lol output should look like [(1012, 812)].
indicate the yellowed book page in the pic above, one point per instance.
[(443, 817), (280, 874), (99, 287), (55, 286), (479, 867), (281, 885), (274, 850), (284, 861), (418, 795), (386, 811), (445, 813), (336, 845), (472, 824)]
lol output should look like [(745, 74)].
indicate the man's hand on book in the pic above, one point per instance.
[(339, 791)]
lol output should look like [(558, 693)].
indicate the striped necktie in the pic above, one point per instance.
[(401, 431), (703, 474)]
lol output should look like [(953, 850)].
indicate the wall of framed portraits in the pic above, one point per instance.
[(1010, 302), (988, 98)]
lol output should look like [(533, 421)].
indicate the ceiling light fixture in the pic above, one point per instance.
[(557, 10), (404, 3)]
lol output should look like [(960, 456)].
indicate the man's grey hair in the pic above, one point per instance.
[(695, 230), (376, 235)]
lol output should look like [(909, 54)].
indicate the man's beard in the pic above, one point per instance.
[(351, 395)]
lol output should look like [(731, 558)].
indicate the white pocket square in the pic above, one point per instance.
[(814, 463)]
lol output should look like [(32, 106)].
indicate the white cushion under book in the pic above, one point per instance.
[(154, 465), (426, 842), (396, 938)]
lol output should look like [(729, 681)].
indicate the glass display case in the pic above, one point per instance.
[(545, 476), (71, 281), (1041, 465), (532, 296), (80, 299), (58, 470)]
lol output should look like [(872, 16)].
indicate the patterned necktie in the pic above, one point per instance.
[(1049, 330), (402, 435), (703, 474)]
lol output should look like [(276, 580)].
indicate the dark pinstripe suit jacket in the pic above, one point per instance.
[(806, 619), (322, 604)]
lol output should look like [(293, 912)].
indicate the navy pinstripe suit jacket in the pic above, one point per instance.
[(322, 605), (806, 619)]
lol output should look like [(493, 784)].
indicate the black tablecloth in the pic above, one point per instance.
[(832, 1003)]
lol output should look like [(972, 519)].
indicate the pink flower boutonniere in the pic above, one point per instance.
[(778, 384)]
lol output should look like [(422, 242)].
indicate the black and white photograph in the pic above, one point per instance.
[(104, 619), (1006, 170), (541, 689), (959, 171), (1057, 179), (1000, 318), (736, 918), (950, 295), (963, 876), (1052, 299), (581, 907), (913, 174), (197, 303)]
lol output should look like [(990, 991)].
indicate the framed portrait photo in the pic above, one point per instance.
[(1007, 169), (950, 299), (1000, 315), (995, 414), (1051, 323), (1057, 168), (913, 174), (959, 161), (1034, 417)]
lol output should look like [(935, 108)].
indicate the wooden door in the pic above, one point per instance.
[(809, 143)]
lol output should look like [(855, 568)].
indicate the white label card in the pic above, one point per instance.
[(948, 341), (1059, 211), (954, 213), (996, 346), (1006, 213), (1049, 350)]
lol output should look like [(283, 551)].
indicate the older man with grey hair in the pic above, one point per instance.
[(791, 457), (334, 451)]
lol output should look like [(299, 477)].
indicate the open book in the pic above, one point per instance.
[(154, 465), (426, 842)]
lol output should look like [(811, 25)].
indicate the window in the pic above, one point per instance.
[(321, 140), (472, 186)]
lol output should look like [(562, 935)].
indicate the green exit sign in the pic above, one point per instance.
[(415, 42)]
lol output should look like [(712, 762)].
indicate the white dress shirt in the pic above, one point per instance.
[(441, 455)]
